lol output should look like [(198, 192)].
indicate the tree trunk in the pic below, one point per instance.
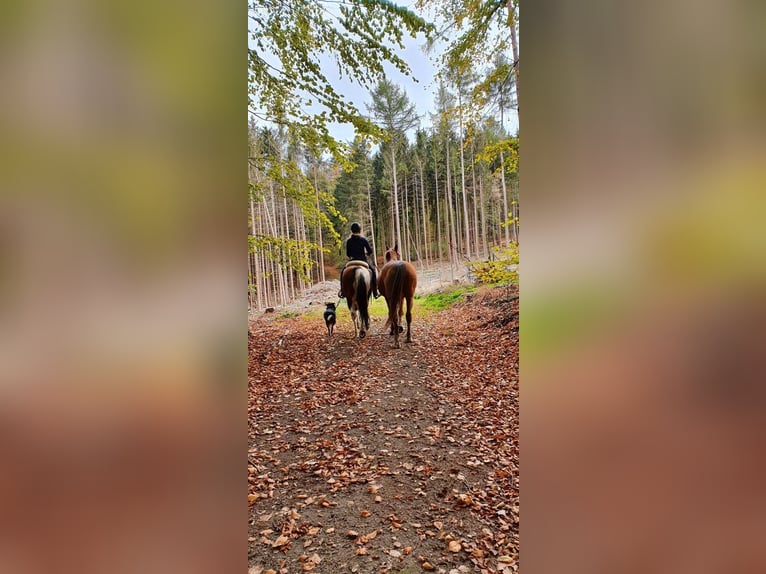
[(506, 227), (416, 221), (458, 217), (483, 215), (502, 181), (515, 49), (426, 241), (451, 222), (438, 214), (515, 209), (405, 249), (286, 233), (462, 180), (372, 229), (258, 287), (397, 222), (475, 207), (319, 227)]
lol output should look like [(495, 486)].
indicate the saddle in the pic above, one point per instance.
[(359, 263), (353, 263)]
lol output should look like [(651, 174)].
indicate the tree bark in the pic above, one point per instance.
[(462, 176), (515, 49), (319, 226), (372, 228), (426, 239), (475, 207), (438, 213), (397, 222), (483, 215)]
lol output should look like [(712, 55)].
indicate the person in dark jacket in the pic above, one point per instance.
[(358, 248)]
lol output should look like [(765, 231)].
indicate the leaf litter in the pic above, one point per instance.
[(367, 459)]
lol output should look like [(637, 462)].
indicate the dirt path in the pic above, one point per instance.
[(368, 459)]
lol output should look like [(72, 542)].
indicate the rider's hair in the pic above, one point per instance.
[(355, 227)]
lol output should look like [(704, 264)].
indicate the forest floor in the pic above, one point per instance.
[(364, 458)]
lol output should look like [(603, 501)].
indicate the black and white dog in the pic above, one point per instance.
[(329, 318)]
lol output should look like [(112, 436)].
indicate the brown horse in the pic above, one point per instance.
[(356, 283), (397, 282)]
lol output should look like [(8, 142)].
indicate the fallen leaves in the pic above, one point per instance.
[(281, 540), (430, 435), (367, 537), (309, 563)]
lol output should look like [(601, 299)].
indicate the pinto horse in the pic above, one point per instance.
[(356, 283), (396, 283)]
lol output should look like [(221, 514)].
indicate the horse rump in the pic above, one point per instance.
[(362, 280)]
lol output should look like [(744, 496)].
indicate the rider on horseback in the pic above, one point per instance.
[(358, 248)]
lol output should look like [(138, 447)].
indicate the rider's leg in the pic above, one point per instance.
[(375, 292), (340, 280)]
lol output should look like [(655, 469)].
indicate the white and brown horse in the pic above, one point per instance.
[(356, 283)]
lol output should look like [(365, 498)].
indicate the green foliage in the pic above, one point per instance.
[(475, 30), (351, 188), (292, 43), (510, 150), (501, 268), (287, 252), (392, 109)]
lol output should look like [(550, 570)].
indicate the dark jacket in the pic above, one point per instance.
[(357, 247)]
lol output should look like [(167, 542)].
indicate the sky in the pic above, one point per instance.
[(420, 88)]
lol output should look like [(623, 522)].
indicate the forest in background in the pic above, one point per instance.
[(444, 187)]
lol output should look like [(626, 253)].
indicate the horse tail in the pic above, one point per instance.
[(396, 293), (363, 295)]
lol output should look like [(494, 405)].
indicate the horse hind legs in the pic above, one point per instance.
[(409, 320)]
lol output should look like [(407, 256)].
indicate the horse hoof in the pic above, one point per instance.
[(362, 334), (401, 329)]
